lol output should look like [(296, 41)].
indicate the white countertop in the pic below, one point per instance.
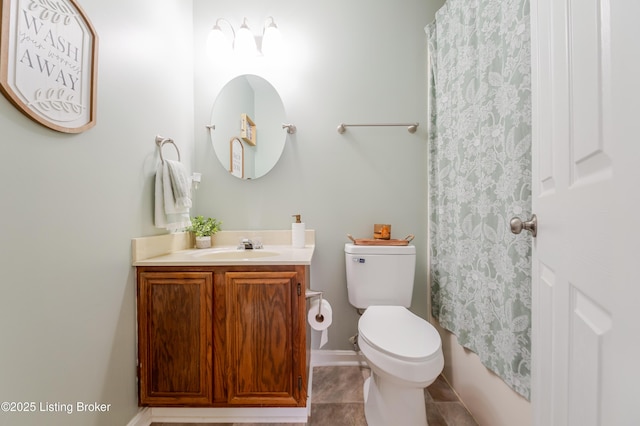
[(173, 250), (286, 255)]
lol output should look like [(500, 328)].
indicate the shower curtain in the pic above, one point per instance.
[(480, 177)]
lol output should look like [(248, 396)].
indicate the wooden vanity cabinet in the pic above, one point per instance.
[(240, 341)]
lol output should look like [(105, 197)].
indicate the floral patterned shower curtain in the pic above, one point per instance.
[(480, 177)]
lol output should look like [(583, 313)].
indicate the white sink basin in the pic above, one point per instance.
[(222, 254)]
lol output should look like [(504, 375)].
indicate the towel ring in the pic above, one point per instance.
[(160, 141)]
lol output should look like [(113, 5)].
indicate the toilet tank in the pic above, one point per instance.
[(380, 275)]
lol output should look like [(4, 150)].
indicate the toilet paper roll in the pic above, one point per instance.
[(321, 321)]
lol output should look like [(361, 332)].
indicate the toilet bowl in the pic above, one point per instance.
[(404, 353)]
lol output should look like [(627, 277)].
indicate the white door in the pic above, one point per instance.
[(586, 302)]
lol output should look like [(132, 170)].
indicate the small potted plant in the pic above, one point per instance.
[(203, 229)]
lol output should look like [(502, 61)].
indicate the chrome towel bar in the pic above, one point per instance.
[(411, 127)]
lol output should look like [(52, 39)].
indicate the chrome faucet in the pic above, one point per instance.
[(247, 244)]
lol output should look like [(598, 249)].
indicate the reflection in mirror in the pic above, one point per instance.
[(248, 110)]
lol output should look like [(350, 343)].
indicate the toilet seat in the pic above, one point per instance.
[(397, 332)]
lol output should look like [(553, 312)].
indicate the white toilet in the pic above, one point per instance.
[(403, 351)]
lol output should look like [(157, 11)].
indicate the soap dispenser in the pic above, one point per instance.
[(297, 233)]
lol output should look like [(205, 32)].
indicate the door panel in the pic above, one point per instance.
[(262, 312), (590, 326), (175, 338), (589, 63)]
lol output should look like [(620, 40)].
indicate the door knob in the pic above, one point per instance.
[(531, 225)]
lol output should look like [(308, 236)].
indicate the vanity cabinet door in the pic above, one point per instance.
[(265, 338), (175, 338)]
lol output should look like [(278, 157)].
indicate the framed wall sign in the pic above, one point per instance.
[(236, 165), (48, 62), (247, 130)]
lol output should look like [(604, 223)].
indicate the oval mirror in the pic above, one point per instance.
[(248, 137)]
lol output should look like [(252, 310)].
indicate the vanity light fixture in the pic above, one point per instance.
[(244, 42)]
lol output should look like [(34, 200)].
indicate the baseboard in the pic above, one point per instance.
[(149, 415), (319, 358), (229, 415), (143, 418)]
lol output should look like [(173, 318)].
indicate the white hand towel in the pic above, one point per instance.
[(180, 183), (167, 214)]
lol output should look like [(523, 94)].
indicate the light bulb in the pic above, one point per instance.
[(218, 44), (245, 43), (271, 40)]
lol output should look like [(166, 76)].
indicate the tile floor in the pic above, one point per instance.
[(337, 400)]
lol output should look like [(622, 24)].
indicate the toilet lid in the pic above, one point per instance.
[(398, 332)]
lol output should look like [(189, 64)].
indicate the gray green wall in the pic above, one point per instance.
[(352, 62), (70, 206), (72, 203)]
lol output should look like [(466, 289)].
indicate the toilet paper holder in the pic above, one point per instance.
[(312, 293)]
